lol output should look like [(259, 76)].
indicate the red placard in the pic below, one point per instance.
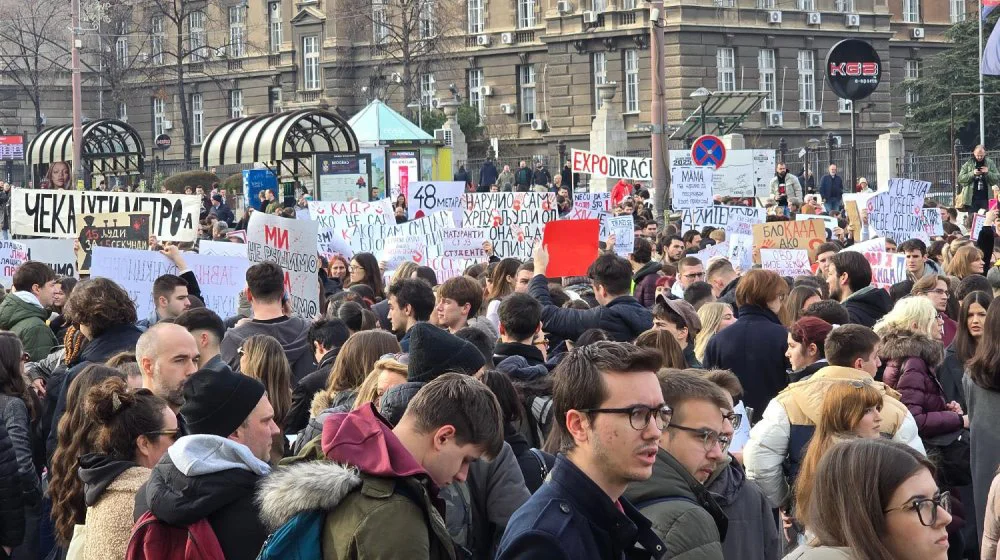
[(572, 246)]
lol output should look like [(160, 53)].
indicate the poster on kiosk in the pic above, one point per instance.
[(404, 167)]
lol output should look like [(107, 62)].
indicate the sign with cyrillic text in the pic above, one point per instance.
[(786, 262), (691, 187), (292, 244), (57, 253)]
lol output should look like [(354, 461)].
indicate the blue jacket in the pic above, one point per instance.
[(225, 214), (831, 187), (623, 318), (570, 517)]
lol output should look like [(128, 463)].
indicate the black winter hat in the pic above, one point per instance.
[(434, 351), (217, 402)]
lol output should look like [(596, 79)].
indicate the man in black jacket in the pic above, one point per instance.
[(170, 291), (326, 336), (849, 277), (522, 177), (520, 322)]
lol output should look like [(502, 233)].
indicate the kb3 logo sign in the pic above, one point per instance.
[(853, 69)]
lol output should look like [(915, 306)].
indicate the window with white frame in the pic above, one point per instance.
[(196, 35), (911, 74), (476, 16), (807, 81), (274, 98), (725, 3), (911, 11), (599, 67), (725, 64), (197, 118), (310, 62), (845, 6), (122, 111), (599, 6), (631, 81), (806, 5), (426, 19), (121, 51), (426, 90), (237, 31), (159, 112), (157, 40), (628, 4), (766, 64), (275, 33), (525, 13), (765, 4), (526, 79), (235, 103), (957, 10), (380, 25), (476, 98)]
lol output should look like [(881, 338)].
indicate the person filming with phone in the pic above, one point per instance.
[(977, 178)]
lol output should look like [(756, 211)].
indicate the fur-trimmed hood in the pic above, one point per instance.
[(900, 344), (303, 487)]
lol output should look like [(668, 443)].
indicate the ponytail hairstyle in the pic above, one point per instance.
[(121, 416)]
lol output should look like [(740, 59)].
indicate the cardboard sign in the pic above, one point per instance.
[(463, 243), (292, 244), (371, 238), (57, 253), (123, 231), (744, 174), (513, 220), (613, 167), (740, 251), (572, 246), (898, 212), (691, 187), (446, 268), (717, 250), (220, 278), (786, 262), (853, 218), (932, 222), (807, 235), (424, 198), (49, 213), (598, 202), (346, 215), (722, 216), (12, 255), (623, 228), (222, 249)]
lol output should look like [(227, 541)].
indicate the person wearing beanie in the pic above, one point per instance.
[(221, 210), (434, 351), (213, 473)]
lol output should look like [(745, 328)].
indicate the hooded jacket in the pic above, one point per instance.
[(645, 283), (109, 490), (910, 360), (752, 533), (291, 332), (867, 305), (623, 318), (209, 477), (684, 514), (27, 320), (505, 350), (379, 501)]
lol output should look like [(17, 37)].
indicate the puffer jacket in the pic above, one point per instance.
[(645, 283), (752, 533), (27, 321), (623, 318), (910, 360), (11, 494)]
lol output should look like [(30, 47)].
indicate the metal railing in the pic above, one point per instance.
[(472, 166)]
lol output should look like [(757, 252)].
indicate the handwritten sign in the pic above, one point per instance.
[(978, 221), (346, 215), (222, 248), (740, 251), (599, 201), (124, 231), (57, 253), (424, 198), (887, 268), (717, 250), (291, 244), (623, 227), (898, 212), (932, 222), (402, 248), (371, 238), (513, 220), (446, 268), (12, 255), (722, 216), (691, 187), (786, 262), (463, 243), (745, 173), (829, 222), (807, 235)]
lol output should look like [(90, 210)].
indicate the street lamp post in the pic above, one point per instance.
[(701, 95), (419, 106)]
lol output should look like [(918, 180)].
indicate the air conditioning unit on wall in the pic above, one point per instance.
[(486, 91), (507, 38), (814, 120), (814, 18), (917, 32), (852, 20), (507, 108), (775, 119), (483, 40), (589, 17), (537, 124), (774, 16)]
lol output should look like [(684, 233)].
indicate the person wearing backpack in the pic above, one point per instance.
[(200, 495), (367, 490)]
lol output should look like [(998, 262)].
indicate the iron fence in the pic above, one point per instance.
[(473, 165)]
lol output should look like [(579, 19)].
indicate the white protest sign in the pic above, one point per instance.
[(346, 215), (292, 244), (786, 262), (623, 228), (463, 243), (329, 243), (222, 248), (691, 187), (722, 216), (615, 167), (53, 213), (740, 251), (12, 255), (932, 222), (598, 202), (446, 268), (371, 238), (402, 248), (898, 212), (423, 198), (514, 220), (887, 268), (744, 174), (220, 278), (978, 221), (717, 250), (57, 253), (829, 222), (877, 245)]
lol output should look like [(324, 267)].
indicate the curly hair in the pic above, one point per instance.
[(73, 342), (121, 416), (101, 305), (76, 435)]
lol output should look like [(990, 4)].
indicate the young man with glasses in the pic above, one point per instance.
[(611, 416), (689, 271), (684, 514)]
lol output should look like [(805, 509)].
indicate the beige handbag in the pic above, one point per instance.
[(75, 551)]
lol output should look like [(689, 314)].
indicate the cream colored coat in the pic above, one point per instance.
[(109, 522)]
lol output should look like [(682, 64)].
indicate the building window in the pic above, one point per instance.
[(274, 99), (427, 90), (274, 26), (845, 6), (807, 81), (628, 4), (476, 17), (599, 6), (725, 3), (806, 5), (237, 31), (525, 13), (197, 118), (121, 51), (725, 64), (526, 78), (765, 4), (426, 19), (599, 65), (196, 36), (957, 11), (476, 98), (631, 81), (911, 74), (235, 103), (765, 69), (310, 62), (122, 112), (158, 116), (157, 40), (911, 11), (380, 26)]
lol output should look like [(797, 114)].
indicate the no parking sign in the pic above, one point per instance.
[(708, 150)]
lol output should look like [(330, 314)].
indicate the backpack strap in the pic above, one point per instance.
[(541, 462)]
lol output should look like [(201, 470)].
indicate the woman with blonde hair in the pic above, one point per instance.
[(714, 317), (664, 343), (262, 358), (966, 261), (916, 314), (387, 373)]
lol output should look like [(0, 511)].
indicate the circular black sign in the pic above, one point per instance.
[(853, 69), (162, 141)]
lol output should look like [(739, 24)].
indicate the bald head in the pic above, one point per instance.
[(167, 355)]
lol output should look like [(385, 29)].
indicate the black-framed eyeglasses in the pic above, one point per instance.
[(926, 508), (709, 438), (734, 419), (638, 416)]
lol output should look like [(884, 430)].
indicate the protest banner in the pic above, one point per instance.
[(402, 248), (12, 255), (598, 201), (51, 213), (744, 173), (829, 222), (691, 187), (786, 262), (123, 231), (887, 268), (346, 215), (220, 278), (329, 243), (877, 245), (614, 167), (57, 253), (222, 248), (446, 268), (740, 251), (717, 250), (623, 228), (897, 213), (371, 238), (572, 246), (807, 235), (932, 222), (722, 216), (423, 198), (513, 220), (978, 221), (463, 243), (292, 244)]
